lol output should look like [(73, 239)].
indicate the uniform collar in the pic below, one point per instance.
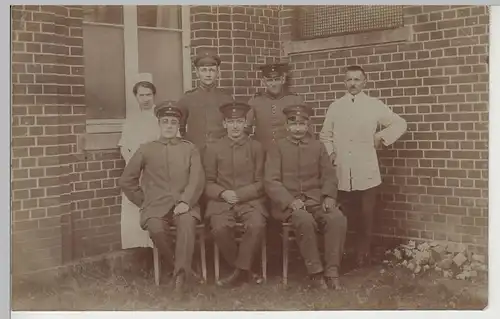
[(238, 142), (275, 97), (207, 88), (169, 141), (355, 97), (305, 140)]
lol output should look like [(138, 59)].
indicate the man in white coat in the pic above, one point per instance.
[(140, 127), (351, 138)]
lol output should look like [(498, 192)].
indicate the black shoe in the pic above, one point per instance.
[(363, 260), (333, 283), (197, 278), (237, 277), (318, 281), (255, 278)]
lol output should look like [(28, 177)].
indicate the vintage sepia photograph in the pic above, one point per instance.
[(249, 157)]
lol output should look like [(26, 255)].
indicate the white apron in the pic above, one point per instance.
[(141, 127)]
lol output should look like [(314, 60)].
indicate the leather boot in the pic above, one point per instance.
[(318, 281), (237, 277), (333, 283)]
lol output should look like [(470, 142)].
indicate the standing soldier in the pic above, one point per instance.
[(351, 139), (234, 168), (202, 121), (165, 179), (301, 182), (266, 115)]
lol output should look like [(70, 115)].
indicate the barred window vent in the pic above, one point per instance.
[(325, 21)]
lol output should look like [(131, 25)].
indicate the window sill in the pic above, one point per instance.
[(104, 126), (350, 40), (101, 135)]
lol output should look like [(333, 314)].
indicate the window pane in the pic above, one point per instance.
[(159, 16), (160, 53), (103, 14), (104, 72)]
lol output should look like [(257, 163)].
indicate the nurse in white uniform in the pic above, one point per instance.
[(141, 126)]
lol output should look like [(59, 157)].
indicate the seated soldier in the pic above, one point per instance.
[(234, 168), (165, 179), (302, 185)]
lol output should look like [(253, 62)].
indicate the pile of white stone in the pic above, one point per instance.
[(451, 259)]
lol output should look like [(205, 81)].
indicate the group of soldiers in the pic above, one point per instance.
[(236, 162)]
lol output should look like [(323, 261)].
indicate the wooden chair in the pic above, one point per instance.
[(286, 229), (200, 234), (239, 230)]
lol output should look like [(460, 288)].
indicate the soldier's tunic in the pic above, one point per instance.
[(158, 176), (302, 169), (202, 121), (266, 115), (238, 166)]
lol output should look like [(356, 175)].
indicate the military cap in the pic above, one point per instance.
[(168, 108), (234, 109), (206, 56), (297, 110), (273, 70)]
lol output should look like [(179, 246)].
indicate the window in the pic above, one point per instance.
[(325, 21), (121, 42), (160, 48), (168, 17), (104, 63)]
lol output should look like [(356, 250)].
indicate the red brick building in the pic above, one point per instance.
[(73, 69)]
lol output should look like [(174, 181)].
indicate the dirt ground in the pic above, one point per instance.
[(374, 288)]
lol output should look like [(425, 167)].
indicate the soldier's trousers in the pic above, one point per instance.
[(159, 229), (223, 229), (333, 226), (360, 206)]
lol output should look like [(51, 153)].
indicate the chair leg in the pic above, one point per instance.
[(264, 259), (216, 262), (203, 257), (285, 255), (156, 264)]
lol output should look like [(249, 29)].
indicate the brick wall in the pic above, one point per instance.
[(436, 176), (66, 204), (47, 114), (97, 204)]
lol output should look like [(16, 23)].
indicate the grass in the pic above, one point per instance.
[(98, 288)]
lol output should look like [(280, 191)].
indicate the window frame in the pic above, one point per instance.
[(99, 128)]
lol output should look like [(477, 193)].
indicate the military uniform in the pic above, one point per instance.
[(301, 169), (202, 121), (236, 165), (266, 114), (160, 175)]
